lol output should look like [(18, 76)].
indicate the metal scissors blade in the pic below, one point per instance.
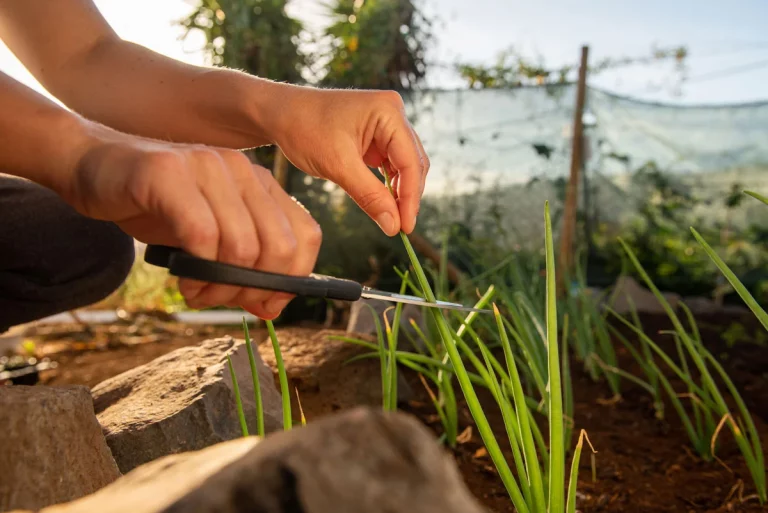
[(415, 300)]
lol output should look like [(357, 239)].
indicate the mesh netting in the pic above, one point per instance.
[(497, 155)]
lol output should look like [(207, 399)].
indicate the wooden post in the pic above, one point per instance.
[(569, 210), (280, 169), (422, 245)]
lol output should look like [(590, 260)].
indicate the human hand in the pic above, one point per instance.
[(211, 202), (336, 134)]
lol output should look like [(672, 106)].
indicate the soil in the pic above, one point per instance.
[(642, 464)]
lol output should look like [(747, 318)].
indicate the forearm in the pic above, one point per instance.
[(39, 140), (78, 57), (135, 90)]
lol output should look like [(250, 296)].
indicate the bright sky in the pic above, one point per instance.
[(727, 40)]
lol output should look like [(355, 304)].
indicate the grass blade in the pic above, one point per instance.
[(721, 408), (255, 378), (556, 442), (567, 386), (574, 477), (513, 429), (238, 400), (283, 377), (757, 196), (533, 470), (734, 281), (449, 342), (393, 348)]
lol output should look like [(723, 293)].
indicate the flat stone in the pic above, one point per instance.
[(359, 460), (362, 320), (52, 448), (701, 305), (644, 301), (316, 363), (182, 401)]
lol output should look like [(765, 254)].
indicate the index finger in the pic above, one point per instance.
[(405, 159)]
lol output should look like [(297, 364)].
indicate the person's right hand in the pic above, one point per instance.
[(211, 202)]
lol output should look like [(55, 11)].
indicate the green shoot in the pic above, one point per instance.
[(238, 399), (753, 305), (709, 394), (556, 441), (571, 503), (757, 196), (283, 377), (533, 471), (392, 333), (449, 337), (567, 390), (255, 378)]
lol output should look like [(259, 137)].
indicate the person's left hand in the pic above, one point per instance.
[(338, 134)]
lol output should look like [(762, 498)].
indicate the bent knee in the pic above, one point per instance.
[(111, 261)]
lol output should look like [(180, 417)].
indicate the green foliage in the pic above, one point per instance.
[(540, 482), (659, 236), (256, 36), (708, 405), (378, 44), (513, 69)]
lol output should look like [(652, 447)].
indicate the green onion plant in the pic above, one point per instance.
[(282, 376), (539, 483), (255, 378), (710, 412), (285, 394)]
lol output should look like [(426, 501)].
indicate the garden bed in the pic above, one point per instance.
[(642, 464)]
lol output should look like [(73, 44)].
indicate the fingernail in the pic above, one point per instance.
[(386, 222)]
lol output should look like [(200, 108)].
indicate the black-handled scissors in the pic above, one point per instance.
[(183, 265)]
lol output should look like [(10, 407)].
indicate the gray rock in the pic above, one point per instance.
[(735, 310), (359, 460), (52, 448), (361, 320), (644, 301), (700, 305), (182, 401)]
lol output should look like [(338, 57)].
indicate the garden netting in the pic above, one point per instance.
[(498, 154)]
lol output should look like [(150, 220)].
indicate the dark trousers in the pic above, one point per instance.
[(53, 259)]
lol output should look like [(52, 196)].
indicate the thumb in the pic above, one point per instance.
[(372, 196)]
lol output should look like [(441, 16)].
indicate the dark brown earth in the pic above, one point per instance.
[(642, 464)]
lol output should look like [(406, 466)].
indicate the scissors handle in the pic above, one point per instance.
[(182, 264)]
